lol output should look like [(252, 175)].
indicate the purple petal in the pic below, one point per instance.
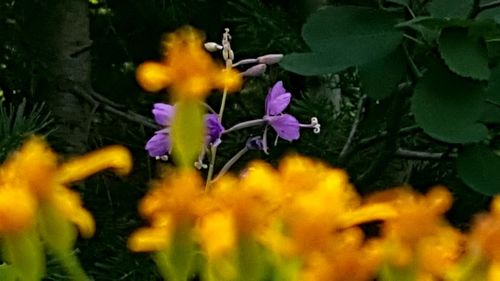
[(158, 145), (286, 126), (277, 99), (214, 128), (163, 113)]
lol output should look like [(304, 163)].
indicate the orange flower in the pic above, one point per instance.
[(187, 69), (172, 205), (32, 178)]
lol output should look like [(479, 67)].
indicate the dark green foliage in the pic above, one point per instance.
[(17, 123), (436, 58), (478, 167), (447, 107), (340, 37)]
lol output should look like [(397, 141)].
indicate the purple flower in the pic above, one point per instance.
[(214, 129), (160, 144), (286, 126), (163, 114)]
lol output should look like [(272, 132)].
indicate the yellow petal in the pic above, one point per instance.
[(17, 209), (69, 204), (367, 213), (149, 239), (494, 271), (153, 76), (114, 157), (218, 234)]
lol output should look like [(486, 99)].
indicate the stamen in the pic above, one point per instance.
[(314, 124)]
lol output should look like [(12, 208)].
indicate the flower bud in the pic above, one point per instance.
[(255, 70), (270, 59), (212, 47)]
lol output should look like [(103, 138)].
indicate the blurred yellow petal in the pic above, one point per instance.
[(150, 239), (217, 233), (186, 68), (17, 209), (230, 79), (366, 214), (153, 76), (494, 271), (114, 157), (69, 204), (35, 163)]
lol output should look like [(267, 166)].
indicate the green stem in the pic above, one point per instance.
[(231, 162), (244, 125), (71, 265), (213, 149)]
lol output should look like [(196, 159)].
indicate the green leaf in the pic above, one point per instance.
[(479, 168), (341, 37), (465, 55), (447, 107), (187, 132), (493, 90), (361, 34), (379, 77), (450, 8), (308, 64)]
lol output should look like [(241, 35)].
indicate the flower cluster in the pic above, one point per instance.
[(302, 221)]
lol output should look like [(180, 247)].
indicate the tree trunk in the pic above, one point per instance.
[(57, 32)]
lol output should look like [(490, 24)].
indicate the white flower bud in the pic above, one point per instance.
[(255, 70), (270, 59), (212, 47)]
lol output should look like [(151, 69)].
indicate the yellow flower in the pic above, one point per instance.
[(349, 259), (187, 69), (418, 239), (173, 204), (484, 239), (32, 177)]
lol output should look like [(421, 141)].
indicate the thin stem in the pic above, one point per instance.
[(492, 102), (354, 128), (211, 166), (490, 5), (414, 68), (420, 42), (223, 104), (230, 163), (421, 155), (244, 125)]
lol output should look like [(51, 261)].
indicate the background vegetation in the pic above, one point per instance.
[(67, 71)]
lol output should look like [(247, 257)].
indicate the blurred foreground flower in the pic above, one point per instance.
[(160, 145), (187, 69), (35, 204)]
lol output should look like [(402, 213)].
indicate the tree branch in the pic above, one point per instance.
[(109, 107)]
